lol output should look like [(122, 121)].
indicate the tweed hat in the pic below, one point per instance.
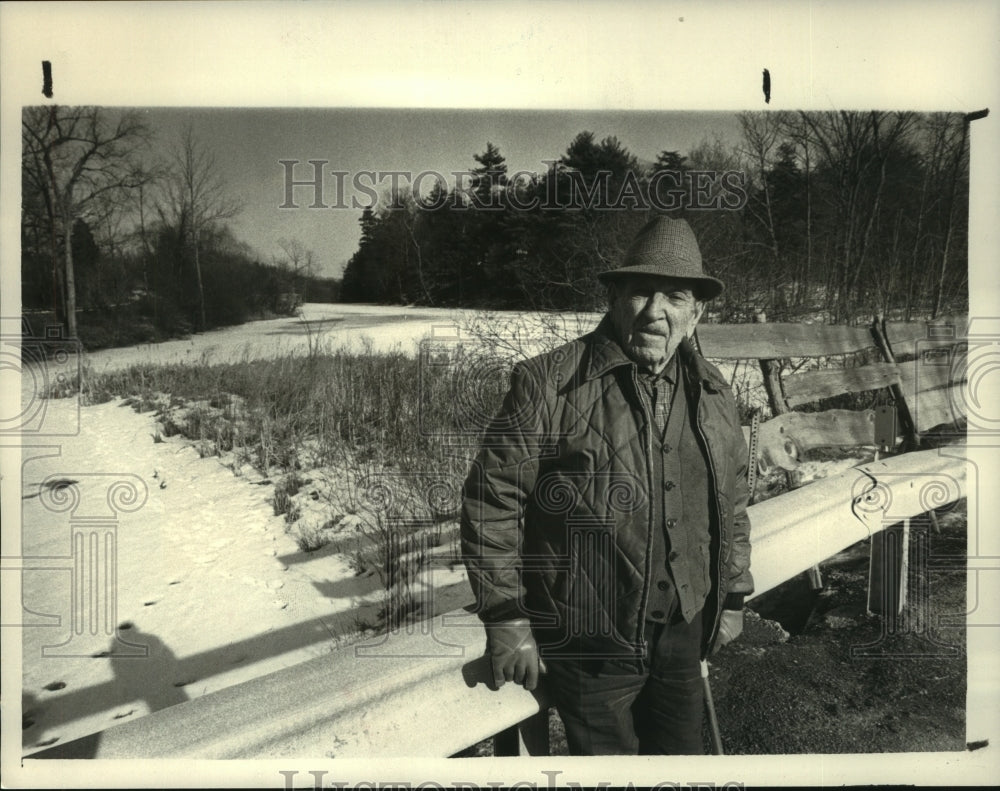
[(666, 247)]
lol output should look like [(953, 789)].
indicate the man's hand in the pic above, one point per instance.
[(513, 653), (730, 627)]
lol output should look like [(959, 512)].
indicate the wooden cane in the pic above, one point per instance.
[(713, 722)]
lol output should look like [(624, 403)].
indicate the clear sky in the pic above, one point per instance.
[(249, 144)]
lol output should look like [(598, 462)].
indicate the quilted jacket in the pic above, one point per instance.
[(556, 518)]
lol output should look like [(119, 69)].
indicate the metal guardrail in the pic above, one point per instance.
[(424, 691)]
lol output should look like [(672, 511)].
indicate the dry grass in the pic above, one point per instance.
[(386, 438)]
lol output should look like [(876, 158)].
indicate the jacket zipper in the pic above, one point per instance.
[(720, 517), (648, 560)]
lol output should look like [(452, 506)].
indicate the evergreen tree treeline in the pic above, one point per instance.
[(843, 214)]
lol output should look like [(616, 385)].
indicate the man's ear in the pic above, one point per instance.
[(699, 308)]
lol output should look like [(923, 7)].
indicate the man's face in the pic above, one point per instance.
[(651, 314)]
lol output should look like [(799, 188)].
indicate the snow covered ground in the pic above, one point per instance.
[(331, 326), (204, 587)]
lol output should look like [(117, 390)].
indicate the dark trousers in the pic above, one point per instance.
[(649, 706)]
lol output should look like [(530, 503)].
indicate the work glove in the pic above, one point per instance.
[(730, 627), (513, 653)]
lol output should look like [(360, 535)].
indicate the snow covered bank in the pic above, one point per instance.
[(206, 588)]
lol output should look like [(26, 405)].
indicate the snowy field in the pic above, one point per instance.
[(378, 328)]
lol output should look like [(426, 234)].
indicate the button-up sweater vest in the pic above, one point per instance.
[(680, 499)]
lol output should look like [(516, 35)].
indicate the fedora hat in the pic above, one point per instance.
[(666, 247)]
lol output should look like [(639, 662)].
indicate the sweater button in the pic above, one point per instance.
[(662, 585), (658, 615), (669, 485), (674, 555), (671, 523), (666, 448)]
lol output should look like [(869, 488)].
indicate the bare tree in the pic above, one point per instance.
[(76, 159), (957, 156), (856, 148), (725, 248), (195, 200), (761, 135), (299, 260), (797, 132), (147, 178)]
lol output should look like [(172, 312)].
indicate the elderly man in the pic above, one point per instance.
[(604, 523)]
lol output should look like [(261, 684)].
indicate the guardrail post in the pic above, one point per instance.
[(528, 737), (888, 571), (889, 553), (915, 620)]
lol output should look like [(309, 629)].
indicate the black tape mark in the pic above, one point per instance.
[(767, 87), (47, 79), (978, 745)]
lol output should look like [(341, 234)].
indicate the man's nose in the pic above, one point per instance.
[(655, 306)]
